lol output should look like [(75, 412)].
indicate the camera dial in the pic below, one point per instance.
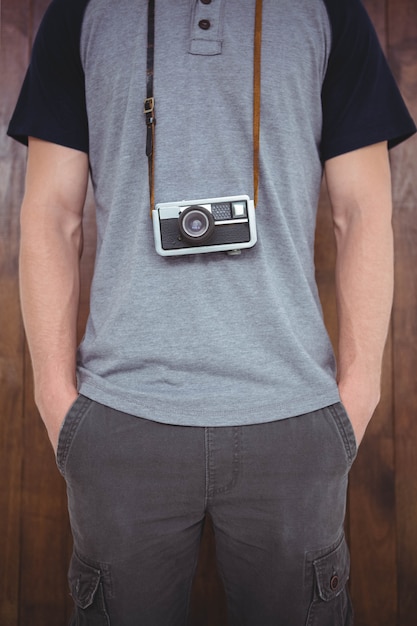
[(196, 223)]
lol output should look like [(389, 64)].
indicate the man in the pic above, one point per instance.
[(205, 382)]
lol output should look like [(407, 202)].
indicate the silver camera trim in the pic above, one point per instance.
[(172, 210)]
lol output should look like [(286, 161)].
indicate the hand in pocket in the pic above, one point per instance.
[(54, 411)]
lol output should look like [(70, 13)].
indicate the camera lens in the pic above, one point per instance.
[(196, 224)]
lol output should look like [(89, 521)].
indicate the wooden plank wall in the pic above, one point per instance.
[(402, 19), (12, 61), (382, 507)]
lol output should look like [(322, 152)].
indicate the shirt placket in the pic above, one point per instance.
[(207, 27)]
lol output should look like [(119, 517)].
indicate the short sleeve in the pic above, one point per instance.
[(51, 104), (361, 101)]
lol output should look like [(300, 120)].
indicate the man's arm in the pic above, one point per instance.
[(51, 242), (359, 185)]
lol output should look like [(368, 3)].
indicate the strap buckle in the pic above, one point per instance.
[(149, 107)]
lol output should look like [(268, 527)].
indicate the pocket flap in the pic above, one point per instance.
[(332, 571), (83, 581)]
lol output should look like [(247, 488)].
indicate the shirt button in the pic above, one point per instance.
[(204, 24), (205, 1)]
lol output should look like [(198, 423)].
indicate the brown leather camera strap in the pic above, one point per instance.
[(257, 97), (149, 108)]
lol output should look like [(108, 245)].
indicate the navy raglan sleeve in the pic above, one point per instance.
[(361, 102), (51, 105)]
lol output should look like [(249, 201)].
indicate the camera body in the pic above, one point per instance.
[(224, 224)]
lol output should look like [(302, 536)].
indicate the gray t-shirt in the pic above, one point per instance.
[(208, 339)]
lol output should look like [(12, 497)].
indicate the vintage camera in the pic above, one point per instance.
[(209, 225)]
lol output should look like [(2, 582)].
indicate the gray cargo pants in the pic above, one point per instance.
[(138, 492)]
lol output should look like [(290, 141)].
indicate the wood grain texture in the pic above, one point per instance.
[(14, 55), (402, 17)]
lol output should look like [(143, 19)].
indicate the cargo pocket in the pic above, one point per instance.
[(87, 590), (331, 605)]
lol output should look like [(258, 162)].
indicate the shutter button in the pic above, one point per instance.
[(334, 582), (204, 24)]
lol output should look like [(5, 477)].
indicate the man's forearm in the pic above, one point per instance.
[(360, 193), (51, 239), (49, 283), (364, 283)]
